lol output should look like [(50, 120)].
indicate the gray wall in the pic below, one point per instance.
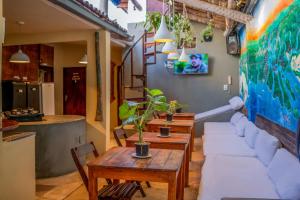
[(200, 92)]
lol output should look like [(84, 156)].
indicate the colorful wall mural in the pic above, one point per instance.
[(270, 62)]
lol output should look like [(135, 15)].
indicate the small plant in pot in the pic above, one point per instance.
[(208, 33), (171, 110), (130, 113)]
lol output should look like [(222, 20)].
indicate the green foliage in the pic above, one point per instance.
[(129, 111), (182, 26)]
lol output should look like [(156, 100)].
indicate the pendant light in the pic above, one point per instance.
[(183, 57), (173, 56), (83, 60), (169, 47), (19, 56), (163, 34)]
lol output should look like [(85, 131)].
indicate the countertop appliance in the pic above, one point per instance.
[(22, 101)]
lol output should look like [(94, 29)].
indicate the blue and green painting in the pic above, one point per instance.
[(270, 69)]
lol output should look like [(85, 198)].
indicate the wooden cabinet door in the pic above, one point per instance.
[(29, 70), (46, 55), (74, 89)]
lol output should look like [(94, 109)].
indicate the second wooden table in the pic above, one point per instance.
[(175, 141), (177, 126)]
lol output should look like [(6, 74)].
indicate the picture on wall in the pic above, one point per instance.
[(197, 64)]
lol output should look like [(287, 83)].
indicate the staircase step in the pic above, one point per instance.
[(149, 54), (134, 87), (150, 34), (149, 44), (139, 76), (150, 63)]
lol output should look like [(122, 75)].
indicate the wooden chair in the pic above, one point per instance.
[(123, 191), (119, 133)]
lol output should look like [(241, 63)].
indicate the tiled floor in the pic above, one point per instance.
[(71, 190)]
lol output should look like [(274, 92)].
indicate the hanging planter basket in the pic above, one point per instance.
[(208, 38)]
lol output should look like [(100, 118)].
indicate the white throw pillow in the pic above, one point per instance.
[(235, 118), (251, 132), (284, 171), (265, 147), (240, 127), (236, 103)]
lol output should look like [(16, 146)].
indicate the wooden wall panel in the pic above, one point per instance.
[(29, 70)]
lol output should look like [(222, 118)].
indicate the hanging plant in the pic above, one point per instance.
[(207, 33), (182, 26)]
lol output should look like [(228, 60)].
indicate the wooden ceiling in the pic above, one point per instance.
[(204, 17)]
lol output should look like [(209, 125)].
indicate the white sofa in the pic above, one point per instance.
[(242, 161)]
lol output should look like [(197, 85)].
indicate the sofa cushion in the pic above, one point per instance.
[(236, 117), (227, 144), (265, 146), (251, 132), (239, 177), (211, 128), (240, 126), (284, 170)]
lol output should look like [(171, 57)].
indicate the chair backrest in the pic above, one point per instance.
[(79, 153), (119, 132)]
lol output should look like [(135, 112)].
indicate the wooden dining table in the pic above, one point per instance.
[(179, 116), (175, 141), (117, 163), (176, 126)]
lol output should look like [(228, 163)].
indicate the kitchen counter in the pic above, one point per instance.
[(54, 119), (55, 136)]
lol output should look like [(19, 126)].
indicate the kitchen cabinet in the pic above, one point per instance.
[(40, 56), (46, 55)]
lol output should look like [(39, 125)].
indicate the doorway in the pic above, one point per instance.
[(74, 90)]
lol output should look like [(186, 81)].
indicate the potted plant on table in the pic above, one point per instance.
[(165, 130), (130, 113)]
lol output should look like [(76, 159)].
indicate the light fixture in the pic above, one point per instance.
[(183, 57), (19, 56), (83, 60), (173, 56), (163, 34), (169, 47)]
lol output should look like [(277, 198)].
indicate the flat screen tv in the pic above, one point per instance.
[(197, 64)]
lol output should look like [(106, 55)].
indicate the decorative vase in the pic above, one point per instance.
[(142, 149), (169, 117), (165, 131)]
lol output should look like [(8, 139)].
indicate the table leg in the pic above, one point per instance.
[(180, 182), (187, 166), (93, 185), (193, 137), (172, 188)]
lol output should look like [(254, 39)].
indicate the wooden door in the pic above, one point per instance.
[(74, 89)]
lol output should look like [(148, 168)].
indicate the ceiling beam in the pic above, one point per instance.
[(229, 13)]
